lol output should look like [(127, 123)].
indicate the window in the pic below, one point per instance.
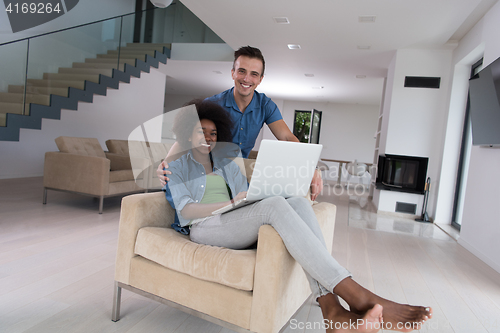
[(302, 128)]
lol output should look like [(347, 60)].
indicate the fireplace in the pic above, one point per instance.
[(402, 173)]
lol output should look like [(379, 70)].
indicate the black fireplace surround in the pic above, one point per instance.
[(402, 173)]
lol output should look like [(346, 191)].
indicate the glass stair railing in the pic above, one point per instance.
[(43, 74)]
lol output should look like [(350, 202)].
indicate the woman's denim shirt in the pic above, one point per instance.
[(188, 180)]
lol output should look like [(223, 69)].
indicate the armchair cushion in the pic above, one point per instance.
[(165, 246), (120, 176), (80, 146)]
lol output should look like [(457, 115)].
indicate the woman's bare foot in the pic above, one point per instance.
[(399, 317), (339, 320)]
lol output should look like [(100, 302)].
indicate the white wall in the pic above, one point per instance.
[(109, 117), (415, 118), (347, 130), (481, 213)]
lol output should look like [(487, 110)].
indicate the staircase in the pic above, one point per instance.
[(63, 90)]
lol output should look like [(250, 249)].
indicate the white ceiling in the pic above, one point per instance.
[(329, 33)]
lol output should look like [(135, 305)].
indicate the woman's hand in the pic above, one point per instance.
[(239, 196), (162, 174)]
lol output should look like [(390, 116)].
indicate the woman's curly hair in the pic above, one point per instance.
[(184, 122)]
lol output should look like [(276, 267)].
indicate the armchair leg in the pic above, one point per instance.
[(115, 315), (101, 203), (44, 195)]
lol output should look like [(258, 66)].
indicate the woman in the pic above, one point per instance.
[(204, 180)]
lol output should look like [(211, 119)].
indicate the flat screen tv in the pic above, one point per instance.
[(484, 90)]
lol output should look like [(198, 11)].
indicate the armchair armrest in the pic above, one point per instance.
[(77, 173), (138, 211), (119, 162)]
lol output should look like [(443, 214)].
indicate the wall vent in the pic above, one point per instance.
[(422, 82), (408, 208)]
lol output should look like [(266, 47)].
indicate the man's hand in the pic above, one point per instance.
[(316, 185), (162, 174)]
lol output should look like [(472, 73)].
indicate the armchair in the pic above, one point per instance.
[(253, 290)]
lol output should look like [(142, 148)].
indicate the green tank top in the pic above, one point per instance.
[(216, 190)]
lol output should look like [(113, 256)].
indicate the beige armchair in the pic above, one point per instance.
[(254, 290), (81, 166)]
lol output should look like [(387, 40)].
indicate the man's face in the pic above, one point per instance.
[(247, 75)]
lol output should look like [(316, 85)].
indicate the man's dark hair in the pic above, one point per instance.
[(251, 52), (184, 122)]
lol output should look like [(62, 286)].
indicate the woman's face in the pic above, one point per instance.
[(204, 136)]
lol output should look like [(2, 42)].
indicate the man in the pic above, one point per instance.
[(249, 110)]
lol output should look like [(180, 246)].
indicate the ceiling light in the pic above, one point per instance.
[(281, 20), (293, 46), (360, 76), (321, 87), (160, 3), (364, 47), (367, 19), (309, 75)]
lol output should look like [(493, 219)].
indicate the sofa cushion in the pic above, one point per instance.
[(117, 146), (120, 176), (165, 246), (80, 146)]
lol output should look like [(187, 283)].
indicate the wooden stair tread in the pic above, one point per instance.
[(30, 98), (39, 90), (71, 77)]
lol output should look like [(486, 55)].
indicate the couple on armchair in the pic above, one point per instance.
[(202, 178)]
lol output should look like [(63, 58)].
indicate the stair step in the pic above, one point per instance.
[(97, 65), (71, 77), (128, 53), (139, 55), (39, 90), (56, 83), (110, 61), (30, 98), (16, 108), (103, 71), (156, 46)]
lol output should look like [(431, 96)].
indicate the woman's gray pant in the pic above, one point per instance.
[(295, 222)]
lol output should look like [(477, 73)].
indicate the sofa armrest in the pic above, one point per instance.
[(119, 162), (280, 285), (138, 211), (77, 173)]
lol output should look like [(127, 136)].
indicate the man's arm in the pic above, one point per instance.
[(281, 131), (171, 155)]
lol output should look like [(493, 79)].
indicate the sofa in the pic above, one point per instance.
[(145, 158), (81, 166), (252, 290)]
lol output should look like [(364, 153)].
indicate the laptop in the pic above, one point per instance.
[(283, 169)]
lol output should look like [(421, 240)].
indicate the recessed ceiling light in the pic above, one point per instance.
[(360, 76), (293, 46), (364, 47), (309, 75), (367, 19), (281, 20), (320, 87), (217, 72)]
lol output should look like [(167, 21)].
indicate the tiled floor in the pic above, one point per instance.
[(362, 214)]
